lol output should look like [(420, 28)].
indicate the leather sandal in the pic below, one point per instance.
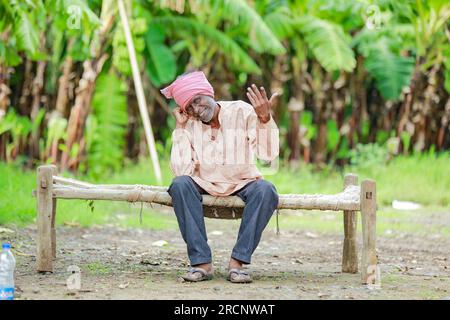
[(197, 274), (239, 276)]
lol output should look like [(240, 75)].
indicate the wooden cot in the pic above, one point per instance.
[(352, 199)]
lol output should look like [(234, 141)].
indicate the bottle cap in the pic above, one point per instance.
[(6, 246)]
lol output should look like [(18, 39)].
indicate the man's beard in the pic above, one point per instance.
[(210, 115)]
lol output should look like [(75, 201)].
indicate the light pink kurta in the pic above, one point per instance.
[(225, 164)]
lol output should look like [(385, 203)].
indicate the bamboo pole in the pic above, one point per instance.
[(140, 92), (80, 184), (71, 182), (346, 200)]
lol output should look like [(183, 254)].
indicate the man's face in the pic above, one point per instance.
[(202, 108)]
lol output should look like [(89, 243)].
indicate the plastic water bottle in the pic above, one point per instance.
[(7, 266)]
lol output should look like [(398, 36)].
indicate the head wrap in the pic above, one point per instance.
[(185, 87)]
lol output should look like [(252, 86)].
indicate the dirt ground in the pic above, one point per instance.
[(119, 263)]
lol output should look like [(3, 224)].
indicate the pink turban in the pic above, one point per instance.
[(185, 87)]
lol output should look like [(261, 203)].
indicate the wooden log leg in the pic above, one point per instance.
[(350, 248), (349, 251), (368, 216), (53, 229), (44, 218), (54, 172)]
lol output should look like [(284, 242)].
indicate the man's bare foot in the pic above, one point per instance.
[(199, 272), (236, 274), (205, 266), (234, 264)]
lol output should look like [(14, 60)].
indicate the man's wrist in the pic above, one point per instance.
[(264, 119)]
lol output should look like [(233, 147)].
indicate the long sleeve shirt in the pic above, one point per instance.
[(224, 163)]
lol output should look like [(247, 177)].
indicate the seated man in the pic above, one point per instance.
[(213, 147)]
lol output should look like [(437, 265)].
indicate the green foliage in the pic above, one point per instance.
[(381, 136), (406, 140), (261, 37), (306, 121), (216, 39), (368, 155), (37, 120), (161, 63), (8, 55), (333, 135), (26, 21), (225, 38), (447, 68), (88, 16), (328, 42), (21, 19), (19, 128), (56, 130), (107, 126), (281, 22), (121, 57), (67, 13), (348, 14), (391, 71), (365, 130), (8, 121), (74, 21), (27, 33), (344, 150)]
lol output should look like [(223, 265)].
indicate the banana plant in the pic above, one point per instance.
[(91, 69), (326, 40), (106, 126), (431, 28), (19, 25), (384, 62), (18, 128), (202, 34), (313, 36), (203, 41)]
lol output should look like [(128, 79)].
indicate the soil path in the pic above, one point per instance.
[(119, 263)]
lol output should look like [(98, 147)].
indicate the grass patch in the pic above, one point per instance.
[(97, 268), (17, 206), (422, 178)]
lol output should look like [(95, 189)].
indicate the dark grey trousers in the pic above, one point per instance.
[(261, 200)]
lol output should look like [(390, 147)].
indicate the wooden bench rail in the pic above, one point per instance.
[(349, 199)]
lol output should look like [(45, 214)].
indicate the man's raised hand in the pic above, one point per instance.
[(260, 102), (180, 117)]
